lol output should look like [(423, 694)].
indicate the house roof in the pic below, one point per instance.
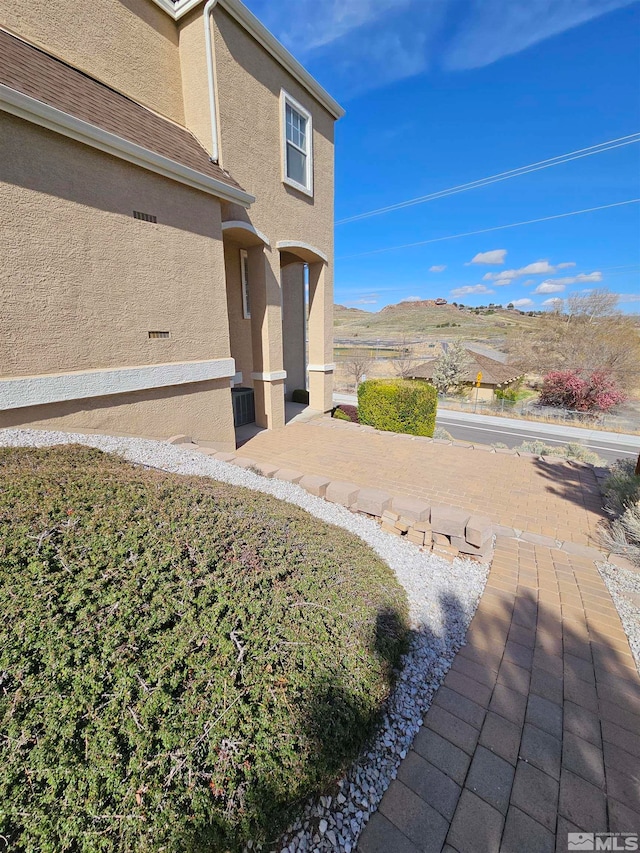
[(40, 76), (493, 372)]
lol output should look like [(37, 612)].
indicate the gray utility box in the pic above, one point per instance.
[(244, 407)]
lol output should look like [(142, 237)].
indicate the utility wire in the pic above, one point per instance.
[(487, 230), (600, 148)]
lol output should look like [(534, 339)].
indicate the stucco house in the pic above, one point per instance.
[(166, 201), (494, 374)]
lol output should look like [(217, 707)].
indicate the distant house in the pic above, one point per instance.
[(495, 374)]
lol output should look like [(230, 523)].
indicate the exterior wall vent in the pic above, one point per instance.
[(153, 335), (146, 217)]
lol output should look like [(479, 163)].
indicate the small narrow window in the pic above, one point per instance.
[(153, 335), (244, 278), (297, 155)]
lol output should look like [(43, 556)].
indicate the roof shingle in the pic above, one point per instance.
[(33, 72), (493, 372)]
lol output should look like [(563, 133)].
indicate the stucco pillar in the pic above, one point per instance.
[(320, 330), (266, 337)]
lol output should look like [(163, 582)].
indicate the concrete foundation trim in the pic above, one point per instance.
[(321, 368), (17, 393), (273, 376)]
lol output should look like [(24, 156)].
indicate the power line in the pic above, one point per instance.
[(600, 148), (487, 230)]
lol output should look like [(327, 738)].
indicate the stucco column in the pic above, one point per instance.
[(320, 330), (266, 337)]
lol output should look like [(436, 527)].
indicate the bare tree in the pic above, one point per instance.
[(357, 366), (587, 333), (405, 360)]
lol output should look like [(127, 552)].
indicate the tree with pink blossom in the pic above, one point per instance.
[(571, 389)]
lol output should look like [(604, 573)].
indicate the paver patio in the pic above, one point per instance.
[(514, 491), (535, 731)]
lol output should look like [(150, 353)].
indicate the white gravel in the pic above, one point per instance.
[(624, 588), (442, 599)]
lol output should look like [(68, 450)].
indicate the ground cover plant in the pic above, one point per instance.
[(182, 662)]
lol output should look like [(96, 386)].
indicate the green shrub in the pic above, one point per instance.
[(339, 415), (300, 396), (182, 662), (398, 405)]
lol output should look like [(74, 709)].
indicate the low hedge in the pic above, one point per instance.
[(345, 412), (182, 662), (398, 405), (300, 395)]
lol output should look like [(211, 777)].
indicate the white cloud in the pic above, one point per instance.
[(493, 29), (553, 302), (469, 288), (412, 299), (536, 268), (582, 278), (495, 256), (549, 287), (522, 303), (370, 43), (628, 297), (438, 268), (568, 264)]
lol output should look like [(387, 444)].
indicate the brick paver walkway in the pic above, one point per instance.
[(535, 731), (560, 501)]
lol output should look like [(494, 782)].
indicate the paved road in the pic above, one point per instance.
[(486, 429)]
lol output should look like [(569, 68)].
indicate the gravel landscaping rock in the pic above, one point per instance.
[(624, 588), (442, 599)]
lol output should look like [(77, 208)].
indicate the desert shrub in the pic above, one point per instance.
[(350, 411), (622, 500), (622, 488), (442, 433), (572, 450), (597, 392), (182, 662), (398, 405), (300, 395)]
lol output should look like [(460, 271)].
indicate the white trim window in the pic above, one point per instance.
[(244, 279), (297, 152)]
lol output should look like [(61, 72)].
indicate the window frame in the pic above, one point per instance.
[(244, 284), (287, 100)]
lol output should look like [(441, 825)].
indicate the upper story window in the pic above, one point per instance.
[(297, 153)]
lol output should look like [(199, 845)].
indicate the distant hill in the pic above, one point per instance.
[(426, 319)]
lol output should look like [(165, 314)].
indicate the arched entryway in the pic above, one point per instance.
[(307, 315)]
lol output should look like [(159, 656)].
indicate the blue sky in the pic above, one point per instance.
[(443, 92)]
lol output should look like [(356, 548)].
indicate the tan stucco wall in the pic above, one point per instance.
[(201, 410), (131, 45), (83, 282), (248, 82), (239, 327)]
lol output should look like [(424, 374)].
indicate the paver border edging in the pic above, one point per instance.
[(447, 531)]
